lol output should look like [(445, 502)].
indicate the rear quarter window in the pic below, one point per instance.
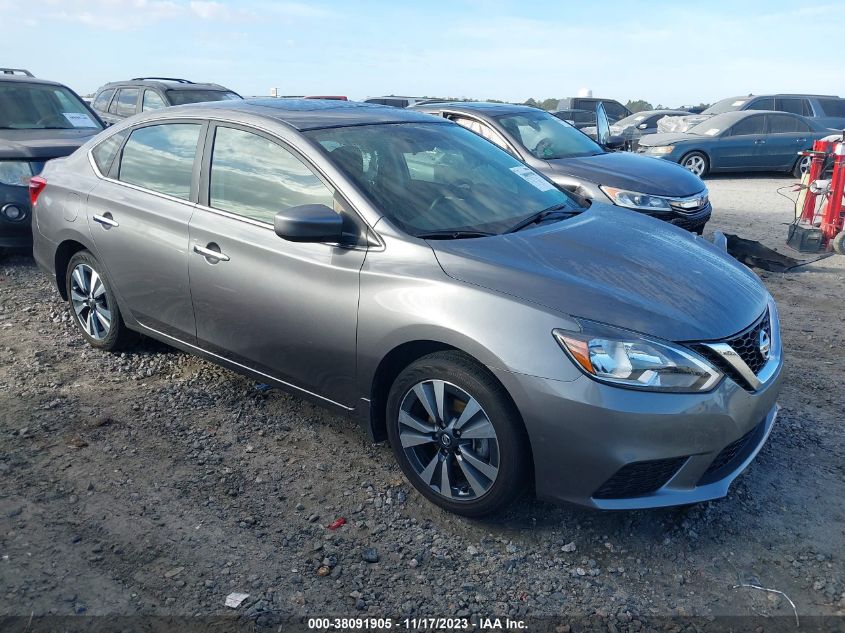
[(101, 101), (104, 153), (833, 107)]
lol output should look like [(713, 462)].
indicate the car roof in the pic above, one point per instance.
[(164, 83), (478, 107), (307, 114), (23, 79)]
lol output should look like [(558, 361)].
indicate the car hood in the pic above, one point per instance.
[(625, 170), (665, 138), (42, 144), (617, 267)]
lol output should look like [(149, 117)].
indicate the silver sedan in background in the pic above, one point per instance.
[(402, 269)]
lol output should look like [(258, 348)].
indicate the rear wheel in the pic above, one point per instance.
[(802, 166), (697, 163), (456, 434), (94, 306), (838, 243)]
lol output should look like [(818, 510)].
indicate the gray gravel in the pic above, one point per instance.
[(152, 482)]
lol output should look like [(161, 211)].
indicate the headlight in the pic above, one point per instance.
[(15, 172), (628, 359), (659, 149), (635, 200)]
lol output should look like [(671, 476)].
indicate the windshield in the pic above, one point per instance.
[(547, 137), (433, 177), (181, 97), (727, 105), (25, 106), (634, 119), (711, 126)]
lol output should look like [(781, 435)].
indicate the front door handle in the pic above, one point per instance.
[(210, 253), (760, 141), (106, 220)]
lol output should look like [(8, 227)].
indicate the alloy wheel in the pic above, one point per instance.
[(804, 165), (695, 164), (449, 440), (90, 301)]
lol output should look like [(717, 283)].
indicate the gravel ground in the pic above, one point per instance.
[(152, 482)]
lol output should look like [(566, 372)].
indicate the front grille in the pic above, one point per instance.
[(732, 455), (639, 478), (747, 345)]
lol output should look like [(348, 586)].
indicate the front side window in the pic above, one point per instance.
[(152, 101), (615, 111), (101, 101), (483, 131), (546, 137), (255, 177), (161, 158), (751, 125), (436, 177), (181, 97), (33, 106), (126, 102), (764, 103)]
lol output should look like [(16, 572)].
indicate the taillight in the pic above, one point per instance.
[(36, 186)]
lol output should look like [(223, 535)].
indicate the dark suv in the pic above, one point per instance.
[(615, 110), (39, 120), (120, 99), (827, 110)]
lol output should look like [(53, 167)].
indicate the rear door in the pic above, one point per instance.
[(138, 216), (786, 136), (288, 310), (741, 147)]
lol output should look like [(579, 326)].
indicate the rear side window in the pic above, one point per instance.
[(254, 177), (104, 153), (751, 125), (152, 101), (161, 158), (795, 105), (781, 124), (833, 107), (125, 103), (101, 101)]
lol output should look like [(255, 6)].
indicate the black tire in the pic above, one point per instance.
[(797, 171), (689, 160), (117, 336), (468, 376), (838, 243)]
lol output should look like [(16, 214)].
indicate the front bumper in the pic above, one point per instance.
[(15, 234), (693, 222), (611, 448)]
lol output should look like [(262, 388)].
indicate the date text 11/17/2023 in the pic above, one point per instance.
[(416, 624)]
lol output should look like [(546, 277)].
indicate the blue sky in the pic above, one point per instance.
[(665, 52)]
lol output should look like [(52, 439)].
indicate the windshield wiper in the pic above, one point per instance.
[(452, 235), (557, 209)]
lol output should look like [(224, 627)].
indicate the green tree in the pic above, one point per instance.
[(639, 105), (549, 104)]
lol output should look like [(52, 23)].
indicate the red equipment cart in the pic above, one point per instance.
[(824, 206)]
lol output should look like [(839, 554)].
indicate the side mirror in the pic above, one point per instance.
[(309, 223), (615, 142), (642, 126)]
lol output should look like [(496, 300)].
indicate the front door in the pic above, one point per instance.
[(138, 218), (288, 310), (741, 146)]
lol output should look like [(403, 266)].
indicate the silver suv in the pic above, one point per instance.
[(120, 99), (402, 269)]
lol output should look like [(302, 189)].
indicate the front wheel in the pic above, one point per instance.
[(456, 434), (94, 306), (697, 163)]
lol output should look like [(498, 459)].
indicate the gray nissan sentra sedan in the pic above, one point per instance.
[(403, 269)]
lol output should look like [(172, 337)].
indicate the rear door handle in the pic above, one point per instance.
[(760, 141), (106, 220), (800, 140), (210, 253)]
